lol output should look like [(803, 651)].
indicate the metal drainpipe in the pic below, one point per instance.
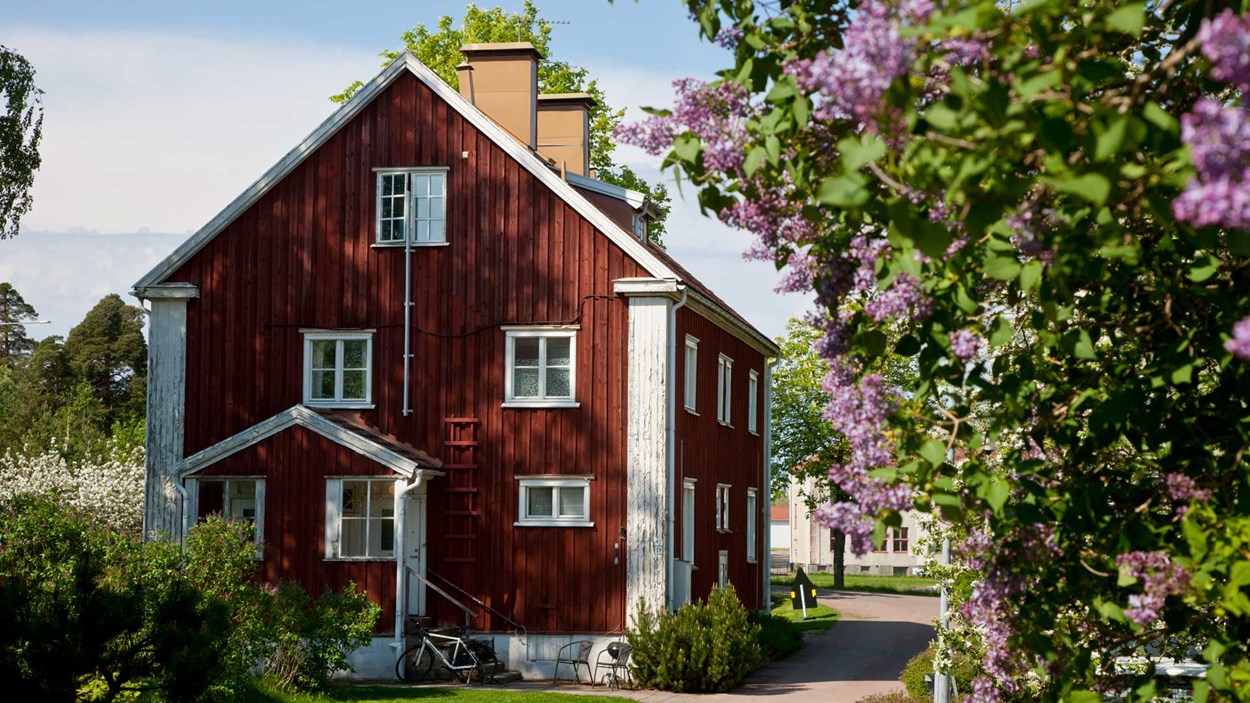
[(670, 432), (407, 309), (401, 513), (186, 508)]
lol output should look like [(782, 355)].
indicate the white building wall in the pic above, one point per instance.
[(812, 543)]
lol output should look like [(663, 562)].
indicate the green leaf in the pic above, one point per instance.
[(933, 451), (1003, 268), (687, 148), (755, 158), (1084, 348), (773, 145), (1112, 611), (1001, 332), (942, 117), (1033, 85), (1083, 697), (863, 150), (996, 494), (1110, 137), (1184, 374), (1094, 187), (781, 90), (842, 191), (1204, 267), (1160, 118), (1030, 274), (874, 342), (1240, 574), (907, 346), (1128, 18)]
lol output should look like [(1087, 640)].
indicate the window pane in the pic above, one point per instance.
[(423, 231), (353, 385), (324, 353), (572, 502), (436, 184), (558, 351), (354, 353), (212, 498), (387, 188), (436, 207), (525, 383), (381, 498), (558, 383), (352, 539), (323, 385), (397, 230), (386, 208), (354, 498), (525, 351), (438, 231), (420, 184), (382, 537), (242, 500), (538, 502), (423, 209)]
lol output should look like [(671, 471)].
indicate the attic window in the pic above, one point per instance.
[(412, 205), (641, 223)]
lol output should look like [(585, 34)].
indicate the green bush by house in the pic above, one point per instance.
[(701, 648)]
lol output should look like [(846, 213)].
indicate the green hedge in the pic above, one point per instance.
[(701, 648)]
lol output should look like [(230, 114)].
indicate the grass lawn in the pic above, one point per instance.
[(819, 618), (911, 585), (396, 694)]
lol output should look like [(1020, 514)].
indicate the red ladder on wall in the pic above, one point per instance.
[(460, 514)]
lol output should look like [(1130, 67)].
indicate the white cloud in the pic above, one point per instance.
[(161, 131)]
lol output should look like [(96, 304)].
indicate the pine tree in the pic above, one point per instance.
[(15, 344)]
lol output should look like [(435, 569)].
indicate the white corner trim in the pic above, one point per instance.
[(302, 416), (635, 249)]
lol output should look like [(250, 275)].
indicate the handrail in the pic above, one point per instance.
[(469, 614), (518, 628)]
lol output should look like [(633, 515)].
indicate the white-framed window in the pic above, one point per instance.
[(337, 369), (554, 502), (692, 371), (753, 397), (540, 368), (752, 509), (412, 206), (238, 499), (722, 507), (360, 518), (722, 572), (687, 520), (724, 384)]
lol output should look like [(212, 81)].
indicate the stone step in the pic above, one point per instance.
[(506, 677)]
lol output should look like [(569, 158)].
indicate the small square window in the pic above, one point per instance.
[(237, 499), (541, 368), (360, 520), (412, 207), (554, 502), (337, 369)]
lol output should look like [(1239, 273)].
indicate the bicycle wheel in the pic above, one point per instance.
[(488, 664), (415, 663)]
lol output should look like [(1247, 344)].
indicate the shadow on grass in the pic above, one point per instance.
[(818, 619), (265, 692)]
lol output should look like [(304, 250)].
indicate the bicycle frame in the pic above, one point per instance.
[(460, 647)]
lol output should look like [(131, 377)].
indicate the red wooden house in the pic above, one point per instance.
[(428, 353)]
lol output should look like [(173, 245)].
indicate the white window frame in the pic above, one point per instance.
[(688, 496), (542, 333), (338, 401), (722, 507), (197, 487), (691, 371), (753, 401), (525, 485), (334, 518), (752, 509), (409, 216), (724, 389), (722, 571)]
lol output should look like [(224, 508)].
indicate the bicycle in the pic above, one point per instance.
[(470, 660)]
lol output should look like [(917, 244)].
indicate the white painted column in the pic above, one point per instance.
[(167, 384), (647, 544)]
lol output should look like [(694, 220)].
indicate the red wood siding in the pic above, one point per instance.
[(302, 258), (295, 464), (712, 453)]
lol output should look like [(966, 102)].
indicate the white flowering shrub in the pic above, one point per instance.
[(110, 488)]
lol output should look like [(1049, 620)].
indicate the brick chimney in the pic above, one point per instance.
[(563, 130), (502, 81)]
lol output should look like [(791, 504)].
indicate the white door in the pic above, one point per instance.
[(414, 546), (722, 578)]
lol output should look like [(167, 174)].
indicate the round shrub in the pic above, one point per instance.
[(701, 648), (963, 669), (779, 637)]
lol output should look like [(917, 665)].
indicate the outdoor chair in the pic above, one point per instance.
[(617, 663), (576, 653)]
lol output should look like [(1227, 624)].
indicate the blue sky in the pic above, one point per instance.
[(160, 113)]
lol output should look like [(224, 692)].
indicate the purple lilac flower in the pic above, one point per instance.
[(1160, 578), (1183, 489), (1027, 226), (1225, 41), (1218, 136), (728, 37), (904, 297), (714, 112), (965, 345), (1239, 345)]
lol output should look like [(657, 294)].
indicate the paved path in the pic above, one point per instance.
[(863, 654)]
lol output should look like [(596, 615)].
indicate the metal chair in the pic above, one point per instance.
[(617, 664), (576, 653)]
